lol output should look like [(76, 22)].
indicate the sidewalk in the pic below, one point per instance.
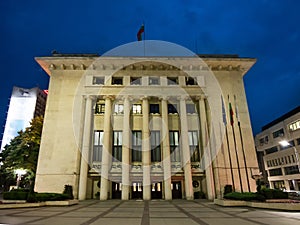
[(176, 212)]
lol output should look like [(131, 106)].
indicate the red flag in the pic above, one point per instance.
[(139, 33)]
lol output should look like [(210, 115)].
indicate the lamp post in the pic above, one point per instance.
[(285, 143), (19, 173)]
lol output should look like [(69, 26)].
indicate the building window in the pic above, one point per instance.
[(98, 80), (190, 81), (155, 146), (291, 170), (154, 108), (153, 80), (172, 80), (136, 146), (135, 80), (172, 109), (119, 108), (98, 146), (137, 109), (275, 172), (194, 146), (291, 143), (190, 108), (117, 81), (100, 108), (271, 150), (295, 125), (278, 133), (117, 146), (174, 146), (298, 141)]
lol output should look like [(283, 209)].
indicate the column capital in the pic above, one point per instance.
[(164, 97), (183, 97), (91, 97), (201, 97), (145, 97), (111, 97)]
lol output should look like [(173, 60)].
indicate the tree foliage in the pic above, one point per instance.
[(22, 151)]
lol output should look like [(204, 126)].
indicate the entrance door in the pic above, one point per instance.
[(137, 190), (176, 190), (116, 190), (156, 191)]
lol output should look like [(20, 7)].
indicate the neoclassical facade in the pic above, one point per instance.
[(145, 127)]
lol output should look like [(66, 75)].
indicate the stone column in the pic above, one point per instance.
[(166, 149), (146, 155), (186, 157), (86, 146), (126, 150), (106, 153), (210, 187)]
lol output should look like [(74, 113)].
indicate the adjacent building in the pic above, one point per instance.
[(145, 127), (278, 147), (24, 105)]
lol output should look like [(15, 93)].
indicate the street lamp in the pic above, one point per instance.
[(285, 143), (19, 173)]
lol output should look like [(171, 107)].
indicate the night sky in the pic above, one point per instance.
[(268, 30)]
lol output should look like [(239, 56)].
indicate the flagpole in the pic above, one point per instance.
[(227, 140), (235, 148), (242, 143)]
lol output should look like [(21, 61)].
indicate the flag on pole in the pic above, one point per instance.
[(236, 110), (223, 112), (230, 112), (140, 32)]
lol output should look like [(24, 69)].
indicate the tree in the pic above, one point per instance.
[(22, 152)]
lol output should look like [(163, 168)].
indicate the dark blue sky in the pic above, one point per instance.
[(264, 29)]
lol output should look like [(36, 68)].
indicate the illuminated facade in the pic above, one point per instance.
[(24, 105), (144, 127), (278, 147)]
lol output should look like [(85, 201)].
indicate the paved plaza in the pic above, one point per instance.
[(116, 212)]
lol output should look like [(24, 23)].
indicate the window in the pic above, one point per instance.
[(154, 108), (137, 109), (194, 146), (119, 108), (98, 80), (117, 81), (155, 146), (291, 170), (117, 146), (298, 141), (271, 150), (100, 108), (153, 80), (291, 143), (172, 80), (275, 172), (135, 80), (294, 126), (174, 146), (278, 133), (190, 81), (172, 109), (98, 146), (136, 146), (190, 108)]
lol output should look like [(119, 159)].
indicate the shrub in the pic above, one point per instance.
[(69, 191), (246, 196), (199, 195), (273, 193), (41, 197), (227, 189), (15, 195)]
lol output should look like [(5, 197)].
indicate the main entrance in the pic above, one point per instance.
[(116, 190), (156, 191), (137, 190), (176, 190)]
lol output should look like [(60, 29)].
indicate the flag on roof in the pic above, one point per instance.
[(140, 32)]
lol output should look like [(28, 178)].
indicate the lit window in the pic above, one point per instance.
[(295, 125), (137, 109), (119, 108), (100, 108)]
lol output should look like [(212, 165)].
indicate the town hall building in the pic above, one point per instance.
[(146, 127)]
